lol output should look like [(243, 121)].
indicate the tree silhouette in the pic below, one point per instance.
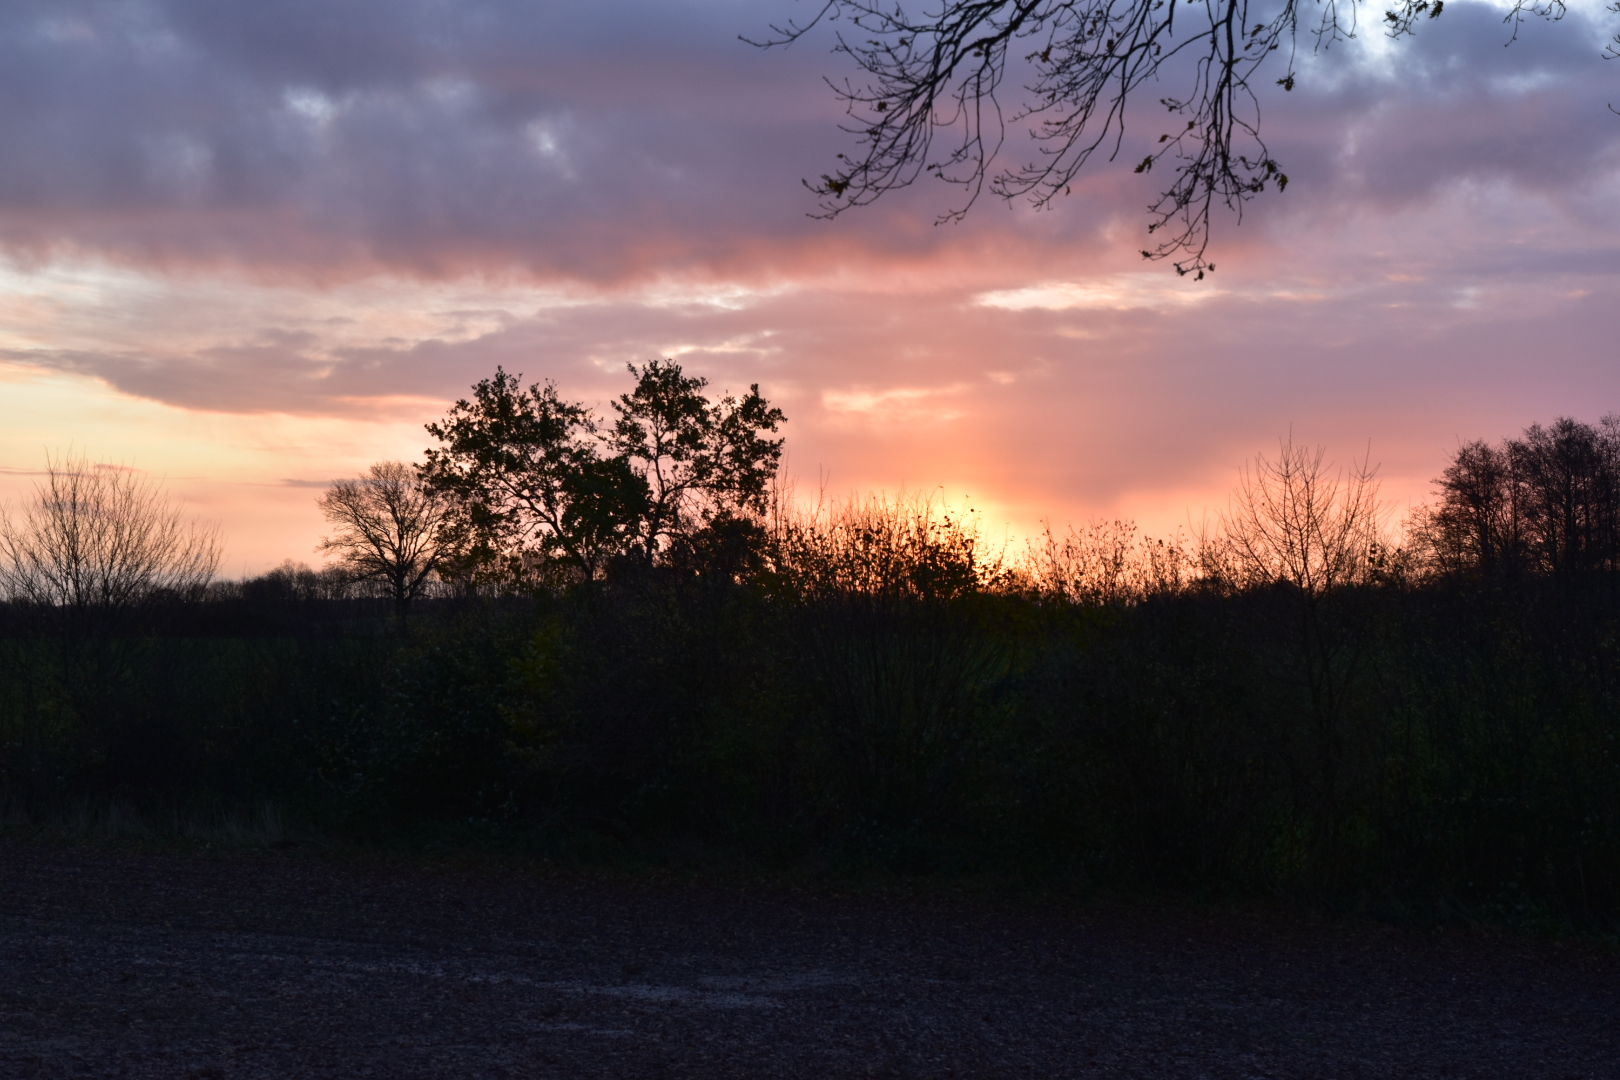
[(1305, 537), (538, 484), (387, 529), (695, 460), (1547, 502), (944, 71), (97, 544), (526, 483)]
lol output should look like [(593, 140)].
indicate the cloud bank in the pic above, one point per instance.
[(347, 211), (627, 139)]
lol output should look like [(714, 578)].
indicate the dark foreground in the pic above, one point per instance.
[(131, 965)]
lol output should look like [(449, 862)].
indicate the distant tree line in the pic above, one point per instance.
[(1545, 503), (624, 640)]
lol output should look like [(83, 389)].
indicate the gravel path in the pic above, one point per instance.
[(116, 964)]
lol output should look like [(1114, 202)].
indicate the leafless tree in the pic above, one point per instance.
[(387, 526), (1305, 540), (942, 69), (102, 539), (1295, 520)]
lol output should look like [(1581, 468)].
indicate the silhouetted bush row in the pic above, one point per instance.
[(1294, 703)]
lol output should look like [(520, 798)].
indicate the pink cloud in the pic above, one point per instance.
[(355, 210)]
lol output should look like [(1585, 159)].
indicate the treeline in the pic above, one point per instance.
[(620, 647)]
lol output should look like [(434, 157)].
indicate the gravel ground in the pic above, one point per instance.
[(119, 963)]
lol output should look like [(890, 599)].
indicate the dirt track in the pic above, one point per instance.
[(137, 966)]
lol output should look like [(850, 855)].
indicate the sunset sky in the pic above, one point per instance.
[(251, 247)]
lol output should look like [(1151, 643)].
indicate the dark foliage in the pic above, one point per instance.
[(1547, 503), (541, 490), (872, 687)]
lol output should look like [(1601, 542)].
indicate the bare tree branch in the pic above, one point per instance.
[(1297, 522), (101, 538), (1079, 63), (386, 529)]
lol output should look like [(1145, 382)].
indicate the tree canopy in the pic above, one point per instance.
[(539, 485), (1545, 503)]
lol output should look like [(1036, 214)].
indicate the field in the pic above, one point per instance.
[(130, 962)]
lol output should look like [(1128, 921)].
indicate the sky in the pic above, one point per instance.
[(249, 248)]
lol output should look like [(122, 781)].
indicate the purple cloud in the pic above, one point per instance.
[(612, 141)]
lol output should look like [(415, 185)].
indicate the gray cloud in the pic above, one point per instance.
[(615, 140)]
